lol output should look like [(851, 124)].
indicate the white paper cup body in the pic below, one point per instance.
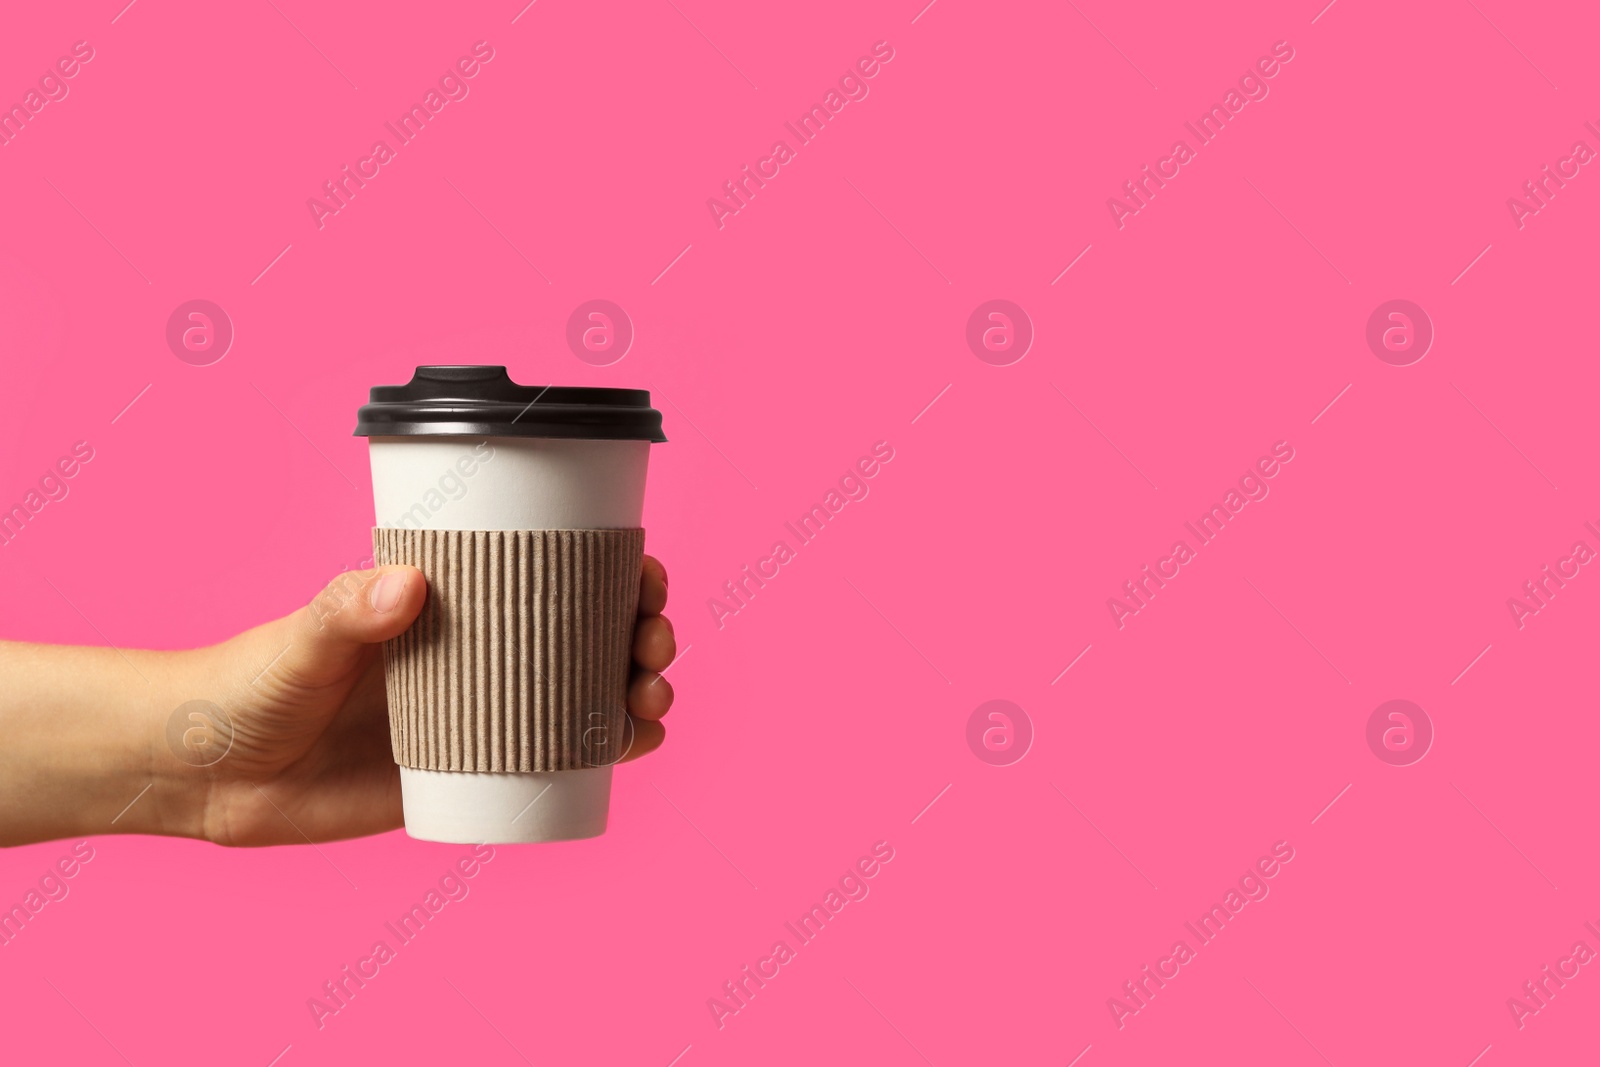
[(507, 483)]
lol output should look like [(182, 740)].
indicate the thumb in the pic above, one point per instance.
[(355, 610)]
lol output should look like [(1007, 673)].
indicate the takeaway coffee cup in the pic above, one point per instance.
[(522, 505)]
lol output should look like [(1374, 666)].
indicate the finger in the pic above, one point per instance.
[(647, 737), (649, 696), (652, 587), (654, 644), (357, 609)]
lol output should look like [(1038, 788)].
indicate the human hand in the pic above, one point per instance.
[(310, 756)]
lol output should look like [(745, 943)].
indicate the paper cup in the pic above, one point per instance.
[(523, 507)]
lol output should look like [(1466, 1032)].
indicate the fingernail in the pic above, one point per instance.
[(386, 594)]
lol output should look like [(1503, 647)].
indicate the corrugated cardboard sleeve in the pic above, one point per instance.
[(519, 661)]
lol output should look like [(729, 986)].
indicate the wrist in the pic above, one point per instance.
[(172, 748), (132, 776)]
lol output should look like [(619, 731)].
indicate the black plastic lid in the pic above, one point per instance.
[(485, 402)]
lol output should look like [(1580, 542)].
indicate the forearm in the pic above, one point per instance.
[(82, 749)]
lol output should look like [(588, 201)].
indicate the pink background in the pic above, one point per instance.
[(824, 317)]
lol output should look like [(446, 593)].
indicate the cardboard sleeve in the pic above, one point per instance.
[(520, 659)]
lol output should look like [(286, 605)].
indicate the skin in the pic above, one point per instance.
[(84, 731)]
